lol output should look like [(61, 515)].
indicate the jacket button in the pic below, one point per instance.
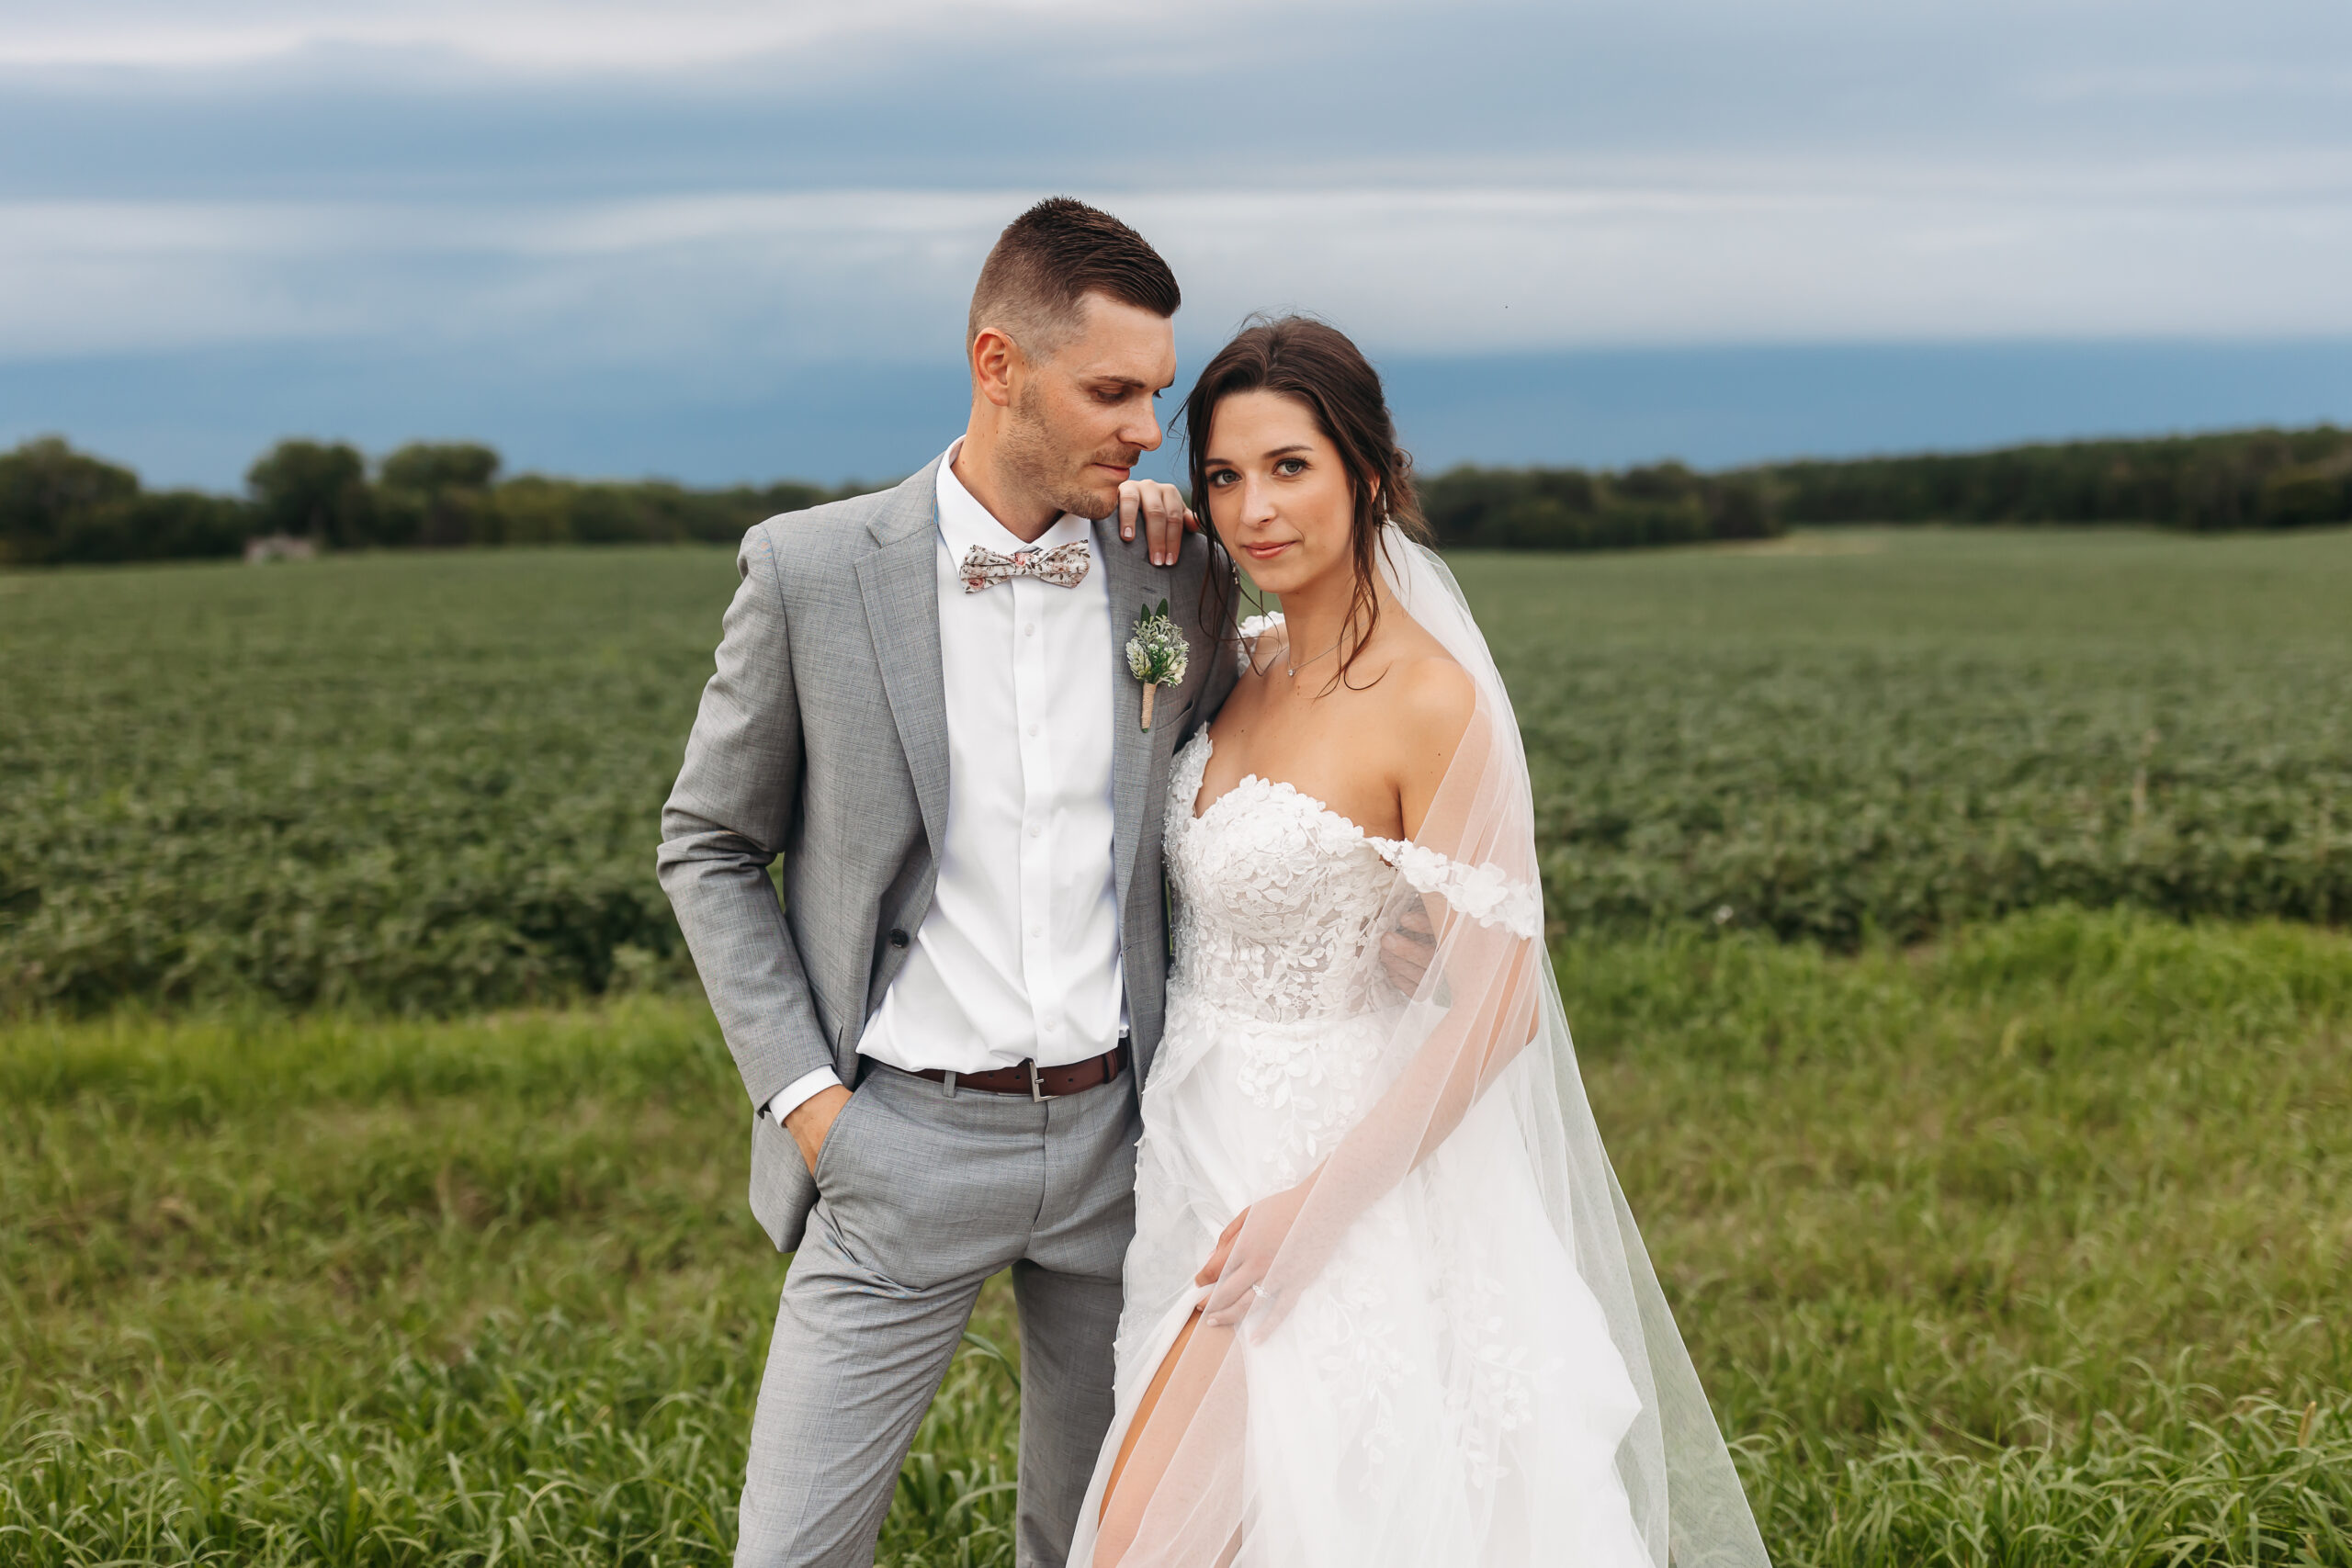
[(897, 939)]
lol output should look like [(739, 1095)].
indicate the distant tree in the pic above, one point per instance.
[(438, 493), (1740, 508), (318, 489), (2309, 493), (48, 491), (1669, 480), (182, 524), (1570, 509), (534, 510), (1510, 508), (173, 524), (440, 465)]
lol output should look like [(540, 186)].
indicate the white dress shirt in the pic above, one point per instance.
[(1019, 954)]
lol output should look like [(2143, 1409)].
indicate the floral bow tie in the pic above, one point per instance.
[(1064, 566)]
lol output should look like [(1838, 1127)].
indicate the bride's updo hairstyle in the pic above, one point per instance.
[(1315, 363)]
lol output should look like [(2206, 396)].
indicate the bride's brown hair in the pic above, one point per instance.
[(1316, 363)]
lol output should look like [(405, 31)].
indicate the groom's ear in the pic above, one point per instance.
[(995, 359)]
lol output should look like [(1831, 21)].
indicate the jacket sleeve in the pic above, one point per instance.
[(725, 821)]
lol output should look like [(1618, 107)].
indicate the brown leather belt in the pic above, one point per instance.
[(1036, 1082)]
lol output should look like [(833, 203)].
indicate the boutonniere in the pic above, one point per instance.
[(1155, 653)]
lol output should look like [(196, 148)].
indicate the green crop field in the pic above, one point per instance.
[(1836, 734), (1953, 923), (429, 783)]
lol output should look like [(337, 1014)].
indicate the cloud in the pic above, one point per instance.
[(1844, 252), (626, 197), (527, 38)]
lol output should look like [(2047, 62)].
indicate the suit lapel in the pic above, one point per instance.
[(899, 582), (1134, 752)]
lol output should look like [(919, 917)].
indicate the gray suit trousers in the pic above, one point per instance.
[(922, 1195)]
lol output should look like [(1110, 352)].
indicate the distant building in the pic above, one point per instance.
[(279, 546)]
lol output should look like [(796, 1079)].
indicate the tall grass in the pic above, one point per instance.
[(2028, 1249)]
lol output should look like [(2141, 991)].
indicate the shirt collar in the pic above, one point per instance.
[(964, 522)]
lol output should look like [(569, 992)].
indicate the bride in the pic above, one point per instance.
[(1385, 1304)]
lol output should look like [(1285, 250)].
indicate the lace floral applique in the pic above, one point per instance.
[(1267, 856), (1490, 1370), (1318, 1090), (1356, 1331), (1481, 892), (1492, 1392), (1252, 628)]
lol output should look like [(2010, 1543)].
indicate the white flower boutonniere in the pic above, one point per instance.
[(1157, 653)]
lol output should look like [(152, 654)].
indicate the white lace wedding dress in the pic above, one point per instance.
[(1446, 1390)]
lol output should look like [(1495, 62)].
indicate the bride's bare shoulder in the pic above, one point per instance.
[(1426, 696), (1430, 701), (1427, 700), (1433, 698)]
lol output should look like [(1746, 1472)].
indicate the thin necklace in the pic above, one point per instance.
[(1292, 669)]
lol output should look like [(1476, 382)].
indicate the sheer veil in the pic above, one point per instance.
[(1477, 1078)]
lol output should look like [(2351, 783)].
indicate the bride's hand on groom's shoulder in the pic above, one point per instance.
[(1161, 511)]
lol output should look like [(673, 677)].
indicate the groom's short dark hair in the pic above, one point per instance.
[(1051, 257)]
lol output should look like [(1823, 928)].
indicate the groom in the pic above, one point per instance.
[(923, 706)]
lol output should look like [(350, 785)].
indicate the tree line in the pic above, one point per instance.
[(2253, 478), (2250, 479), (61, 505), (1574, 509)]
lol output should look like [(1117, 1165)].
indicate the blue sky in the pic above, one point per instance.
[(727, 241)]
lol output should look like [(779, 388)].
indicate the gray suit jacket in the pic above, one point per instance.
[(823, 738)]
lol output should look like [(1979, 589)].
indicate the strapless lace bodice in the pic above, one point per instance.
[(1278, 898)]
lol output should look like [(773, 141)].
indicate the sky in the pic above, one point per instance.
[(724, 241)]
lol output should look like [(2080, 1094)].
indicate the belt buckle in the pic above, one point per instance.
[(1037, 1084)]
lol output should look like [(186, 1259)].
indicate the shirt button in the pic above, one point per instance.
[(1033, 729), (1038, 930), (1029, 629), (1035, 831)]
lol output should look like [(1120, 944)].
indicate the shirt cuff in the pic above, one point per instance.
[(801, 1091)]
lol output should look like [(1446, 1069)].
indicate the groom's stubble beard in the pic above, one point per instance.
[(1043, 467)]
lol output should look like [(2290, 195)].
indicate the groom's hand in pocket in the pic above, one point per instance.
[(1160, 509), (812, 1120)]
